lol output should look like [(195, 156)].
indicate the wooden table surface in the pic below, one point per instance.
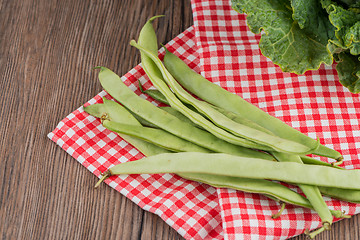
[(47, 51)]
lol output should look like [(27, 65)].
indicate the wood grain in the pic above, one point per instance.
[(47, 51)]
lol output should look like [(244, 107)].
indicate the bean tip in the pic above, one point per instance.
[(340, 159), (133, 43), (338, 162), (312, 235), (278, 214), (166, 50), (154, 17), (140, 86), (104, 176), (343, 215), (316, 146), (104, 117)]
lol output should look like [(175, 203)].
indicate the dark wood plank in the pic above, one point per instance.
[(47, 51)]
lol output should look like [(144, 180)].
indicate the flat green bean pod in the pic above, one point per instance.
[(178, 115), (347, 195), (144, 122), (111, 110), (244, 167), (155, 94), (155, 136), (268, 188), (214, 94), (313, 161)]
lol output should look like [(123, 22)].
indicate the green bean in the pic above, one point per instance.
[(278, 214), (158, 96), (139, 106), (244, 167), (239, 119), (120, 114), (96, 110), (158, 137), (311, 192), (143, 121), (147, 38), (178, 115), (268, 188), (342, 194), (313, 161), (218, 96), (155, 94)]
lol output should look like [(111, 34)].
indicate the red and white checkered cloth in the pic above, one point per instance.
[(221, 47), (314, 103)]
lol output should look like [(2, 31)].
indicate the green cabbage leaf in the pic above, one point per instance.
[(300, 35), (348, 70)]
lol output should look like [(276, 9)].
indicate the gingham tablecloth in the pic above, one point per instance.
[(222, 48), (314, 103)]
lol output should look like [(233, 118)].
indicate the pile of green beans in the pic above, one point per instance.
[(218, 138)]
